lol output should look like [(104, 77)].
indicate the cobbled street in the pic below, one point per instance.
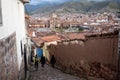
[(49, 73)]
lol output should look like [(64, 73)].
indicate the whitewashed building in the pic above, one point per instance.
[(12, 38)]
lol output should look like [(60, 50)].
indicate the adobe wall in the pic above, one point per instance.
[(8, 58), (96, 56)]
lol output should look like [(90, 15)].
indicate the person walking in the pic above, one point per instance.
[(53, 61), (42, 61), (36, 62)]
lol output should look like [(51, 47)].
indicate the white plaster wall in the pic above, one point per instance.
[(13, 21)]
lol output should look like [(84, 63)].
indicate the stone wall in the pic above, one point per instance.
[(8, 58), (96, 56)]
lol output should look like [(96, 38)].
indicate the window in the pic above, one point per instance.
[(0, 14)]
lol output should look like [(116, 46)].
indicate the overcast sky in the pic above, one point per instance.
[(38, 1)]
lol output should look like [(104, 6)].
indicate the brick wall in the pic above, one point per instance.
[(8, 58), (95, 56)]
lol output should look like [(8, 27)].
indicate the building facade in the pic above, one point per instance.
[(12, 38)]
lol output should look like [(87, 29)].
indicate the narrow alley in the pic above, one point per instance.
[(49, 73)]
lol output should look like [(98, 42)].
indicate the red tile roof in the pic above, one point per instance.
[(30, 32), (37, 41), (76, 36), (51, 38)]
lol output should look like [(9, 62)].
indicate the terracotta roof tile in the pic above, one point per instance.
[(37, 41), (30, 32), (51, 38), (76, 36)]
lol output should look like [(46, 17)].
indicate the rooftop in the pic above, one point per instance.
[(51, 38)]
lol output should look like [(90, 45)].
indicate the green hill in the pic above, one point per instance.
[(78, 7)]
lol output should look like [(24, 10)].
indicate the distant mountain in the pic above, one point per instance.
[(31, 8), (76, 6)]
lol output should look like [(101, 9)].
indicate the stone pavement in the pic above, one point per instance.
[(49, 73)]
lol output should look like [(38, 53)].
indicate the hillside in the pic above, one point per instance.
[(74, 7)]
